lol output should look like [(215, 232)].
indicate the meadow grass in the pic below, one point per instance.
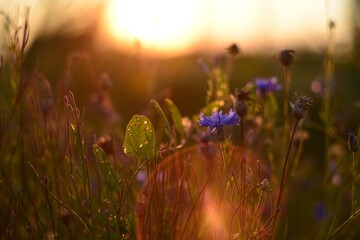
[(224, 173)]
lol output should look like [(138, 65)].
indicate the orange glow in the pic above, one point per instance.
[(158, 25), (174, 27)]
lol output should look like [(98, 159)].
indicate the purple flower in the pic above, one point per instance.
[(217, 119), (264, 85), (320, 211)]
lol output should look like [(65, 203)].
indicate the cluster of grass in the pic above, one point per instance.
[(182, 178)]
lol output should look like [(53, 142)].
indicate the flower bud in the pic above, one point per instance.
[(264, 185), (353, 142)]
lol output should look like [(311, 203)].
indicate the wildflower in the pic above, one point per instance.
[(239, 102), (353, 142), (300, 106), (265, 86), (320, 211), (286, 57), (217, 120)]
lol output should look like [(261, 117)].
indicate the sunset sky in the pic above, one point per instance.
[(177, 27)]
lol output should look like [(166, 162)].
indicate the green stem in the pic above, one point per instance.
[(344, 224), (130, 183), (223, 155), (173, 229), (58, 200), (260, 201)]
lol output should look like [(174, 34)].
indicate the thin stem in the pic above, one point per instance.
[(223, 155), (195, 203), (173, 229), (344, 224), (259, 204), (68, 136), (58, 200), (286, 95), (326, 108), (353, 188), (283, 180), (286, 103), (130, 183)]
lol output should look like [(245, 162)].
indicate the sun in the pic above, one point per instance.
[(158, 25)]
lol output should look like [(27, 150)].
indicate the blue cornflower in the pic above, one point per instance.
[(264, 85), (217, 120)]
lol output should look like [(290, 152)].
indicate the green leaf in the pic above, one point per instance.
[(140, 138), (106, 168), (176, 117), (167, 127)]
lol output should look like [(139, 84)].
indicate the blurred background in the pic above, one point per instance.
[(137, 50), (150, 48)]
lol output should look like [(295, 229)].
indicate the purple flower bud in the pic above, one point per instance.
[(353, 142)]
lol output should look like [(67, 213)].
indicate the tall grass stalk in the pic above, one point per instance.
[(284, 173), (327, 117), (353, 184)]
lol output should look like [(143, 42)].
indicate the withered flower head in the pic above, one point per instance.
[(233, 50), (239, 101), (286, 57), (301, 106)]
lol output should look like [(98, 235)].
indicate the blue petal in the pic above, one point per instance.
[(231, 118)]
